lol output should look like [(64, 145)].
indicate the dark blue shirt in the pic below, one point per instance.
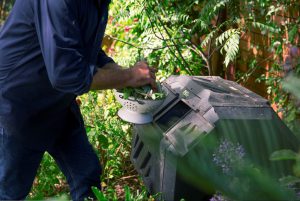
[(49, 52)]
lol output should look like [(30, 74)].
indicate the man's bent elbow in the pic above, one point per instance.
[(77, 87)]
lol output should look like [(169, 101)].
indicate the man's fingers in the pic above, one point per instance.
[(153, 76), (152, 69), (145, 64), (144, 75)]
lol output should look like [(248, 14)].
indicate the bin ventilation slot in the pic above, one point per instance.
[(136, 140), (170, 118), (148, 172), (146, 160), (138, 150)]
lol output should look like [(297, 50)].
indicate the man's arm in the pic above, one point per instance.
[(113, 76), (112, 65), (62, 47)]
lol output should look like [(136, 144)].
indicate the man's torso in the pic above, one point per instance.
[(26, 94)]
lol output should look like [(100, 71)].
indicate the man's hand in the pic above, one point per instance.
[(142, 75), (112, 76)]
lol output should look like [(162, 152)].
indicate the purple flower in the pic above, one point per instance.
[(228, 155), (218, 197)]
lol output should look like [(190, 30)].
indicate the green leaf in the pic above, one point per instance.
[(266, 27), (231, 46), (208, 38), (88, 129), (103, 141), (127, 193), (99, 195), (144, 92), (285, 154), (289, 180)]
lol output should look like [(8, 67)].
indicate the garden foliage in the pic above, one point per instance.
[(183, 37), (188, 37)]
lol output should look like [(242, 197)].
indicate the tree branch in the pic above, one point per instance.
[(163, 39), (135, 46), (176, 46), (203, 56)]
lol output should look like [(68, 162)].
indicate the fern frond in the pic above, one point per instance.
[(224, 36), (200, 24), (208, 38), (184, 18), (266, 27), (220, 4), (231, 45)]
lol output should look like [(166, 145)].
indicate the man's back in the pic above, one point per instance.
[(47, 49)]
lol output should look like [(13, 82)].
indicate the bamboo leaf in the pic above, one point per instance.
[(284, 154), (99, 195)]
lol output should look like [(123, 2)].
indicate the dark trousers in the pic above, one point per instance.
[(72, 152)]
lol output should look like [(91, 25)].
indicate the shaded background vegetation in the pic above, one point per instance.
[(253, 42)]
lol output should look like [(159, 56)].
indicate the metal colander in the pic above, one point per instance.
[(137, 111)]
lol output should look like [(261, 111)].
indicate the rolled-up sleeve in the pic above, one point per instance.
[(103, 59), (62, 47)]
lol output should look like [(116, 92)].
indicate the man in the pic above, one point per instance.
[(50, 53)]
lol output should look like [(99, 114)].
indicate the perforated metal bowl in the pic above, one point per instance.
[(137, 111)]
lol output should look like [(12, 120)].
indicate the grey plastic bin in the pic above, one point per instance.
[(209, 106)]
